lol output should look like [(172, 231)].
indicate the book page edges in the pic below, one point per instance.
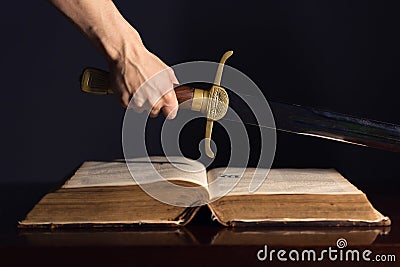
[(121, 224), (381, 221), (385, 221), (182, 220)]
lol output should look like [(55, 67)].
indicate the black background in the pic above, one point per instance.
[(336, 55)]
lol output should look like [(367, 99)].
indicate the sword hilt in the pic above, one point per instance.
[(213, 102), (97, 82)]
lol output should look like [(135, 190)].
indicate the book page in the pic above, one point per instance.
[(279, 181), (117, 173)]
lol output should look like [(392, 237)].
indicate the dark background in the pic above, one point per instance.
[(337, 55)]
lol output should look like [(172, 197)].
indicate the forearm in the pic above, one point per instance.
[(103, 25), (130, 63)]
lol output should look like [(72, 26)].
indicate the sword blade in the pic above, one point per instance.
[(320, 123)]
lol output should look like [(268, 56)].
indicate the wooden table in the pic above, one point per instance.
[(202, 243)]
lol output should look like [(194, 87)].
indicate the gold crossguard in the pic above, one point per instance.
[(218, 102), (213, 103)]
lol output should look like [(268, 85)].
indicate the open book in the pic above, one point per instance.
[(105, 194)]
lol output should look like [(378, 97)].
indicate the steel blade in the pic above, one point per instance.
[(319, 123)]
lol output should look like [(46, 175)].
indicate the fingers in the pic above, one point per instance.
[(170, 107), (145, 84), (159, 90), (125, 99), (168, 104), (154, 112), (120, 88)]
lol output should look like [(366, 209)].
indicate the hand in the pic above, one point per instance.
[(142, 81), (131, 64)]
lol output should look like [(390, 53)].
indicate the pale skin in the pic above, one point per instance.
[(130, 63)]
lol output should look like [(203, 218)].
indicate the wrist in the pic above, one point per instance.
[(123, 41), (114, 36), (105, 27)]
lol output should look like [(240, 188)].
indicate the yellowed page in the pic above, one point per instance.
[(93, 173), (279, 181)]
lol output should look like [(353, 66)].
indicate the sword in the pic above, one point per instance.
[(326, 124), (288, 117)]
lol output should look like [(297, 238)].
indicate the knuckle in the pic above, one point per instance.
[(124, 98), (169, 112), (171, 73), (158, 106), (167, 109), (138, 102), (154, 113), (124, 103), (170, 97)]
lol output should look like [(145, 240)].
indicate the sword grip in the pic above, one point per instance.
[(96, 81), (212, 103)]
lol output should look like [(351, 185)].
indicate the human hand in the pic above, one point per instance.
[(131, 64), (142, 81)]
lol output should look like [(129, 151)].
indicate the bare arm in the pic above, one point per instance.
[(131, 64)]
